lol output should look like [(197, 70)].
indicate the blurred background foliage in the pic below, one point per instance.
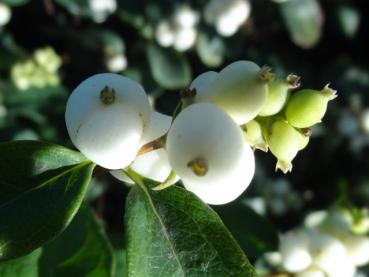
[(48, 47)]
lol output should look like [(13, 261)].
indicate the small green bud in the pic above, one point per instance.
[(284, 142), (307, 107), (254, 135), (278, 92)]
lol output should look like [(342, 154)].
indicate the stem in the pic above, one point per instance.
[(167, 182)]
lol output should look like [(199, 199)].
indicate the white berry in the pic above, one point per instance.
[(106, 116), (206, 149), (240, 90), (294, 248)]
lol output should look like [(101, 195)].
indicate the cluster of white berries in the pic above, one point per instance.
[(5, 14), (109, 120), (207, 145), (329, 244), (178, 31), (227, 15)]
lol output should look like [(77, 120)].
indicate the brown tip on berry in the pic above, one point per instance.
[(199, 166), (188, 93), (107, 95), (306, 132), (266, 75), (293, 80)]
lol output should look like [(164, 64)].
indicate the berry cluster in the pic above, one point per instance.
[(208, 144), (329, 244)]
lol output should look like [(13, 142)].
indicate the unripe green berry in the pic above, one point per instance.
[(284, 143), (254, 135), (278, 92), (240, 89), (303, 138), (307, 107)]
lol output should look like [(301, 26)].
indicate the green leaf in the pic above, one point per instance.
[(120, 254), (253, 232), (41, 188), (304, 20), (349, 20), (173, 233), (76, 7), (211, 49), (14, 2), (22, 267), (83, 249), (170, 69)]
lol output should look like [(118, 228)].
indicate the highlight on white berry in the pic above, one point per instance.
[(106, 116), (207, 150)]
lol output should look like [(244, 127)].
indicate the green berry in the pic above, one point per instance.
[(303, 138), (284, 143), (278, 92), (253, 134), (307, 107)]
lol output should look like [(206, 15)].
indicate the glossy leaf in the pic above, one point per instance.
[(173, 233), (253, 232), (304, 20), (170, 69), (23, 266), (83, 249), (41, 188), (211, 49), (14, 2)]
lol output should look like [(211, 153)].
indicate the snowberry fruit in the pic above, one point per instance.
[(206, 149), (240, 89), (294, 248), (284, 142), (307, 107), (106, 116), (328, 252), (254, 135), (278, 92), (152, 165), (202, 84), (357, 249), (159, 126)]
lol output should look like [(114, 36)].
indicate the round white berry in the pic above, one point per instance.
[(5, 14), (206, 149), (158, 126), (328, 252), (184, 38), (165, 33), (105, 116), (228, 187), (240, 90), (294, 248), (185, 17), (153, 165), (202, 84), (357, 249)]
